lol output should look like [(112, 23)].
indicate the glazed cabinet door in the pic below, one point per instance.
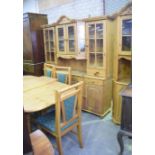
[(52, 44), (46, 45), (61, 39), (125, 29), (71, 38), (96, 48), (49, 45)]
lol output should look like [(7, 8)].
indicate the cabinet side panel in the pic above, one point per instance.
[(27, 45)]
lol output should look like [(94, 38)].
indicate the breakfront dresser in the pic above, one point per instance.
[(86, 46), (33, 46), (122, 70)]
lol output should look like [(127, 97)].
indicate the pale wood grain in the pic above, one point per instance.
[(41, 144)]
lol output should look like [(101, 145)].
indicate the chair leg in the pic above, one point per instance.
[(79, 134), (59, 145)]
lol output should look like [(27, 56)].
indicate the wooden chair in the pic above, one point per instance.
[(63, 74), (49, 70), (67, 115)]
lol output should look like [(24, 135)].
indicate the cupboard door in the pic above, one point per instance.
[(61, 39), (71, 38), (94, 103)]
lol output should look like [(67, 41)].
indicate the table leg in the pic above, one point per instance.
[(120, 134), (28, 117)]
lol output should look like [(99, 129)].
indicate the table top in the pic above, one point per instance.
[(30, 82), (39, 97)]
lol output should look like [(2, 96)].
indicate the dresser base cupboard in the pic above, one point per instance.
[(97, 94)]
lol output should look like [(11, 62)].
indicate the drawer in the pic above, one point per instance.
[(94, 81), (96, 72), (76, 79)]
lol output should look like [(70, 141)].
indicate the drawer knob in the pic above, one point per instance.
[(96, 73)]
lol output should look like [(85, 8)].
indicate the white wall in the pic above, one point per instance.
[(30, 6), (75, 9)]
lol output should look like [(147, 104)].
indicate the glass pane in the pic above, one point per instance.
[(48, 56), (91, 59), (71, 32), (51, 35), (99, 60), (127, 27), (91, 45), (71, 46), (51, 44), (91, 31), (52, 56), (82, 45), (61, 45), (126, 43), (46, 35), (52, 50), (99, 45), (47, 47), (60, 33), (99, 31)]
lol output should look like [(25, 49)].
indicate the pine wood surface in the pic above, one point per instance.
[(31, 82), (40, 144), (39, 98)]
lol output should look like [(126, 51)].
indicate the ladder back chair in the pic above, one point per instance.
[(67, 114), (49, 70), (63, 74)]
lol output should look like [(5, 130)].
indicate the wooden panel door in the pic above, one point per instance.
[(94, 103)]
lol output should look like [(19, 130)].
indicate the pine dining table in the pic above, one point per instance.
[(39, 94)]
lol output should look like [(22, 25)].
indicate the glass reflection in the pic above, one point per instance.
[(61, 46), (71, 46), (99, 45), (127, 27), (99, 31), (51, 34), (126, 43), (71, 32), (91, 45), (91, 59), (91, 31), (99, 60), (60, 33), (52, 56)]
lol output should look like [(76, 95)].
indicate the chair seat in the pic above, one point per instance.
[(48, 121)]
